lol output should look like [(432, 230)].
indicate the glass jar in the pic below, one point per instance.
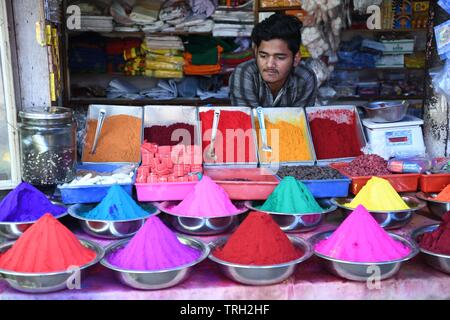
[(47, 145)]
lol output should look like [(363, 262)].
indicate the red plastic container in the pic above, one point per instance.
[(403, 182), (434, 182), (261, 182)]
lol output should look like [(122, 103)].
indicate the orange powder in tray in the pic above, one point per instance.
[(292, 142), (120, 140)]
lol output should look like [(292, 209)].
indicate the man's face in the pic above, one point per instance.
[(275, 61)]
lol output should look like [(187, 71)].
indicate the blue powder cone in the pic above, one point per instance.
[(117, 205)]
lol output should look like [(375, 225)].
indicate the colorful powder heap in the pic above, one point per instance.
[(366, 165), (292, 143), (239, 127), (438, 241), (162, 135), (258, 241), (154, 247), (116, 205), (334, 133), (360, 239), (378, 195), (25, 204), (444, 195), (208, 199), (291, 196), (47, 246)]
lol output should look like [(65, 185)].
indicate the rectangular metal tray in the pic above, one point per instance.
[(252, 164), (112, 110), (287, 113), (261, 185), (360, 132), (168, 115)]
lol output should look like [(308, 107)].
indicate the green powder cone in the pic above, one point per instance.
[(291, 196)]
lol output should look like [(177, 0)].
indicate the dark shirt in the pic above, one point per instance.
[(247, 88)]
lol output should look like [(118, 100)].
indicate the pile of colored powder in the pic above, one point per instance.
[(291, 196), (288, 140), (438, 241), (208, 199), (154, 247), (234, 127), (367, 165), (360, 239), (26, 203), (116, 205), (47, 246), (310, 173), (162, 135), (378, 195), (444, 195), (334, 133), (258, 241), (119, 141)]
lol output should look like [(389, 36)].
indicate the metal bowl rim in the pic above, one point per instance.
[(322, 236), (304, 243), (162, 208), (420, 205), (72, 212), (104, 261), (62, 215), (100, 252), (421, 230), (249, 205), (423, 196)]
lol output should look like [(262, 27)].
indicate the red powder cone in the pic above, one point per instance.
[(47, 246), (258, 241)]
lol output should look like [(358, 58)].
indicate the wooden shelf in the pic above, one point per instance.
[(266, 9), (380, 98), (142, 102)]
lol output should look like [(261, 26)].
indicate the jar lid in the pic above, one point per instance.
[(49, 113)]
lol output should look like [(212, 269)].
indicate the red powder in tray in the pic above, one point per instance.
[(244, 148), (438, 241), (332, 137), (47, 246), (258, 241)]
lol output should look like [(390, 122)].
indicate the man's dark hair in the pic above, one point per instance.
[(279, 26)]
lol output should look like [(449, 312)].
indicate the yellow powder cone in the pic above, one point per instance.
[(378, 195)]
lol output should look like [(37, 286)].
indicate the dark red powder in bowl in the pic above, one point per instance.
[(258, 241), (438, 241), (162, 135)]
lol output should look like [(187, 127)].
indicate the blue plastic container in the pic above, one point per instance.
[(329, 188), (94, 193)]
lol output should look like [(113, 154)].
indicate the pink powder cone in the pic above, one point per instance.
[(361, 239)]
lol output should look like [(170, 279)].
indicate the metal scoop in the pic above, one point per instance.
[(211, 151), (98, 130), (262, 126)]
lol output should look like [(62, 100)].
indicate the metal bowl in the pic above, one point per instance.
[(110, 229), (160, 279), (13, 230), (296, 222), (392, 219), (48, 282), (201, 226), (362, 271), (261, 275), (437, 208), (384, 111), (438, 261)]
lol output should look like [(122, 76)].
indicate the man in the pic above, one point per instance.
[(274, 77)]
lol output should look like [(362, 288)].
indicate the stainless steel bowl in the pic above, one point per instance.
[(386, 111), (110, 229), (437, 208), (363, 271), (49, 282), (296, 222), (261, 275), (13, 230), (392, 219), (438, 261), (201, 226), (160, 279)]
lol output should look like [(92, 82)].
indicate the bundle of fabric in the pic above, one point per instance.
[(119, 51), (96, 23), (164, 90), (87, 54), (145, 12), (202, 56), (233, 16), (232, 30), (231, 60)]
